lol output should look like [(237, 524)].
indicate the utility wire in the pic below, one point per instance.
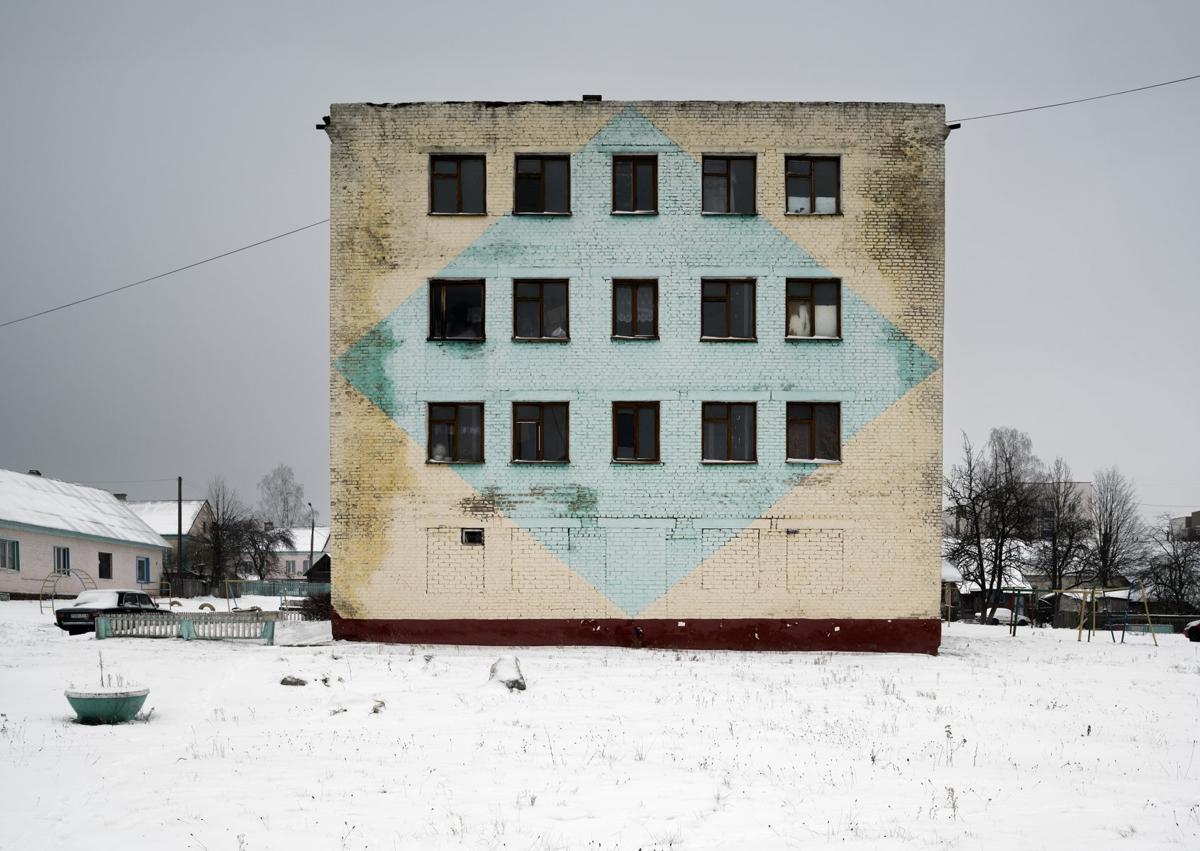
[(161, 275), (323, 221), (1078, 100)]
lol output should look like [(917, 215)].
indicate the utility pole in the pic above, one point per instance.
[(179, 527), (312, 535)]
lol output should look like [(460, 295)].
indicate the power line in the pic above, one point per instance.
[(161, 275), (1078, 100)]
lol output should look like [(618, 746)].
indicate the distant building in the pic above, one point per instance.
[(86, 535), (293, 562), (1186, 528), (162, 515)]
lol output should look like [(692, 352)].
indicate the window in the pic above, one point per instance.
[(728, 185), (455, 432), (456, 310), (727, 310), (813, 185), (728, 431), (540, 310), (105, 566), (305, 565), (10, 555), (814, 309), (457, 185), (472, 537), (543, 184), (635, 184), (635, 432), (814, 431), (540, 431), (289, 567), (635, 309), (143, 569), (62, 560)]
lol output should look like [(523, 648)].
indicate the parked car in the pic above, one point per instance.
[(1004, 617), (1192, 631), (80, 616)]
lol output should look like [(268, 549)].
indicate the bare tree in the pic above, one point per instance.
[(993, 495), (281, 498), (1173, 567), (263, 539), (226, 540), (1064, 527), (1117, 545)]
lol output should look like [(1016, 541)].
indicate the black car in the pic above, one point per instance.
[(80, 616), (1192, 631)]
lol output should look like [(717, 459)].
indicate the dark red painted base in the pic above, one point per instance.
[(910, 635)]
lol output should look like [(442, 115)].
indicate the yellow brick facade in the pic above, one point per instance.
[(856, 540)]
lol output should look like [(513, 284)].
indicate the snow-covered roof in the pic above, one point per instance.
[(62, 506), (300, 540), (162, 516), (950, 573)]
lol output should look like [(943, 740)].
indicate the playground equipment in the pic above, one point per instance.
[(1088, 600), (49, 588)]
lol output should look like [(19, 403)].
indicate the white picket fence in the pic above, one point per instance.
[(206, 626)]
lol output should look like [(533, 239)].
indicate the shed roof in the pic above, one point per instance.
[(55, 505)]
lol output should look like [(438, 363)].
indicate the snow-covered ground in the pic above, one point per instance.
[(1032, 742)]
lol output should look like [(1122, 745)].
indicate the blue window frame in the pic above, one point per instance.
[(143, 569)]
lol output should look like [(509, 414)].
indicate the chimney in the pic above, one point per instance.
[(121, 497), (35, 472)]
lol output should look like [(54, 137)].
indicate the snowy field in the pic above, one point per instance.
[(1032, 742)]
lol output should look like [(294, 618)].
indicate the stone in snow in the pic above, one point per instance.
[(289, 680), (507, 670)]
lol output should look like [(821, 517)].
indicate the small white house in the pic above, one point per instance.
[(292, 562), (50, 527)]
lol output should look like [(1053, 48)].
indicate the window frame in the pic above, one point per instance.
[(10, 552), (464, 533), (728, 420), (812, 159), (62, 558), (541, 158), (103, 564), (634, 284), (638, 406), (541, 299), (788, 419), (137, 568), (429, 422), (753, 282), (729, 158), (633, 160), (458, 193), (289, 567), (812, 310), (541, 432), (438, 286)]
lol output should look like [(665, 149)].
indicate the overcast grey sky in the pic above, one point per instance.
[(143, 136)]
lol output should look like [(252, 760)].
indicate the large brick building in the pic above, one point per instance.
[(647, 373)]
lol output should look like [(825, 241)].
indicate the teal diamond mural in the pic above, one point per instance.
[(867, 371)]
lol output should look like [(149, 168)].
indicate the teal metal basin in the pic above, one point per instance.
[(106, 706)]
